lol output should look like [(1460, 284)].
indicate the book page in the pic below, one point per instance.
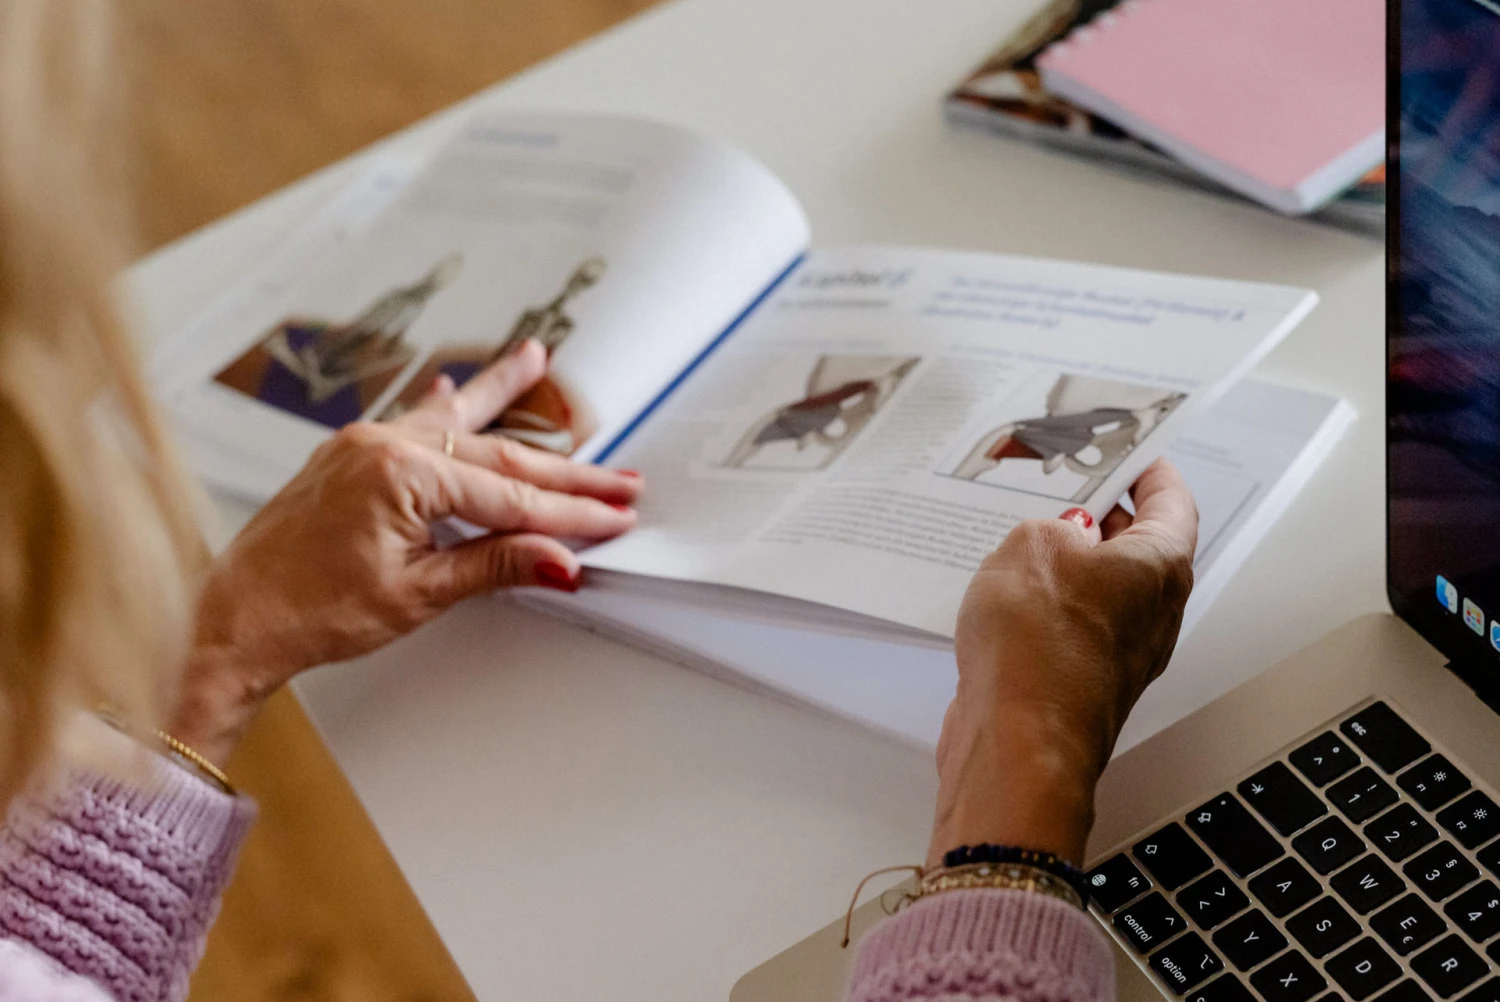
[(1245, 458), (624, 246), (882, 420)]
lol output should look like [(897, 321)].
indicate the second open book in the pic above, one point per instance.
[(832, 439)]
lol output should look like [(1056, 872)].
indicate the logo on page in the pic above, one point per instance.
[(1447, 595), (1495, 634), (1473, 616)]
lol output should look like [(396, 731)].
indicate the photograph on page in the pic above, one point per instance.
[(332, 371), (551, 415), (1061, 435), (839, 396)]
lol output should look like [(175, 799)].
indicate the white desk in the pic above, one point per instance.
[(584, 821)]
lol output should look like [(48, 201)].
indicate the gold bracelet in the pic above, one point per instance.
[(998, 876), (203, 765), (108, 714)]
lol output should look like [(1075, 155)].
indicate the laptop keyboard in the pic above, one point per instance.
[(1356, 865)]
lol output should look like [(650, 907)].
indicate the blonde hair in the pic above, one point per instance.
[(97, 540)]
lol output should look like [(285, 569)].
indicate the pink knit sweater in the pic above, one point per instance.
[(111, 886), (107, 893)]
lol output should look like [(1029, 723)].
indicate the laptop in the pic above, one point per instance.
[(1330, 831)]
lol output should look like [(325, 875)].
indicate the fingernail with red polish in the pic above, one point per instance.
[(621, 507), (1078, 517), (629, 473), (550, 574)]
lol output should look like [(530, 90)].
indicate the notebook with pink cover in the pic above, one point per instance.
[(1281, 100)]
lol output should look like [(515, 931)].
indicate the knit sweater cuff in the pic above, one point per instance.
[(117, 879), (985, 944), (197, 819), (200, 822)]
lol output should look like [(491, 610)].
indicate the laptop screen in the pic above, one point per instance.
[(1443, 390)]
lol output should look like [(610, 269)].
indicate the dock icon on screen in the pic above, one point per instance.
[(1473, 616), (1447, 595)]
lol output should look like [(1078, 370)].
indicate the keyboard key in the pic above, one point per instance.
[(1363, 969), (1285, 887), (1328, 845), (1433, 782), (1399, 832), (1494, 951), (1249, 940), (1172, 857), (1234, 835), (1385, 737), (1149, 923), (1476, 911), (1449, 967), (1288, 978), (1226, 989), (1186, 963), (1487, 992), (1367, 884), (1408, 925), (1362, 795), (1116, 882), (1490, 857), (1474, 820), (1406, 991), (1323, 927), (1441, 871), (1282, 799), (1324, 759), (1212, 900)]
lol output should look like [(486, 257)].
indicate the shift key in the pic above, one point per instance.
[(1232, 832)]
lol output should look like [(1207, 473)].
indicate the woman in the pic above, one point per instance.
[(130, 664)]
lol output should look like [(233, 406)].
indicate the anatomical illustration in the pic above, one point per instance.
[(1089, 427), (843, 393), (548, 416), (332, 372)]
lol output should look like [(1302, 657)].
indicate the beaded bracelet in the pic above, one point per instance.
[(985, 867), (999, 877), (1046, 862)]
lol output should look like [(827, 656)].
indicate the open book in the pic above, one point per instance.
[(832, 438)]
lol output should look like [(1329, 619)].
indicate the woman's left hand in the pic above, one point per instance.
[(342, 560)]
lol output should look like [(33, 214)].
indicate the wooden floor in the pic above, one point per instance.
[(232, 99)]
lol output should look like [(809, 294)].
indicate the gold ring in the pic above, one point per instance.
[(448, 440)]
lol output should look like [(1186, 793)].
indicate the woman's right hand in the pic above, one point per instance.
[(1061, 630)]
